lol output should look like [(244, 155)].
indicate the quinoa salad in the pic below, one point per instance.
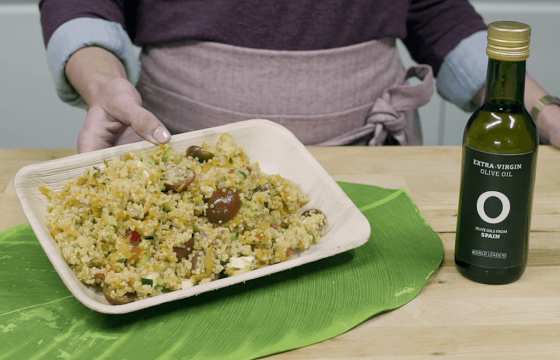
[(157, 221)]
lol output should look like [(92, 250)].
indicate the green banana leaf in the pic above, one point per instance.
[(40, 319)]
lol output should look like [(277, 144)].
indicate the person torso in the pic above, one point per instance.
[(354, 95), (266, 24)]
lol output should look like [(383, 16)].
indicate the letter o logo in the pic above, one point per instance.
[(505, 207)]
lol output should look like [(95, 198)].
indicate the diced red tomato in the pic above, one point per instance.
[(134, 237), (290, 252), (274, 226)]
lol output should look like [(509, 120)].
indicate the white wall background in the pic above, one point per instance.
[(32, 116)]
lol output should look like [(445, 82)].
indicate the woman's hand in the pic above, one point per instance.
[(548, 120), (548, 123), (118, 106), (115, 106)]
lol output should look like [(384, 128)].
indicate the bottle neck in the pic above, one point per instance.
[(505, 80)]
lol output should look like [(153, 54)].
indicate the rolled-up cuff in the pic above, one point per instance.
[(463, 72), (82, 32)]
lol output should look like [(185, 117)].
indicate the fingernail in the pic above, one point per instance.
[(161, 135)]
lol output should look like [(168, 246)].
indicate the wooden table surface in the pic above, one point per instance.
[(451, 317)]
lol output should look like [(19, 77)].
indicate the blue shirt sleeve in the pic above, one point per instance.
[(82, 32), (463, 72)]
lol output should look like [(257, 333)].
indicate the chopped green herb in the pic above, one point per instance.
[(244, 175), (168, 205), (113, 225), (258, 188), (147, 282), (151, 237), (266, 204), (149, 159), (159, 287), (230, 160), (312, 240), (76, 246), (195, 229), (234, 235), (121, 260), (251, 268), (165, 156)]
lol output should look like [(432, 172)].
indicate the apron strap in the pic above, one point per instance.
[(387, 114)]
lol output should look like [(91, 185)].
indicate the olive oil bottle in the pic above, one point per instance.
[(500, 146)]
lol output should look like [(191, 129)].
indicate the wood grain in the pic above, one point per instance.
[(452, 317)]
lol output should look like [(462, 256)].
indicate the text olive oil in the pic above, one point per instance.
[(500, 146)]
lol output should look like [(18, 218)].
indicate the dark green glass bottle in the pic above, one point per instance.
[(500, 147)]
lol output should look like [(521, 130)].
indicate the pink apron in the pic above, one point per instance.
[(356, 95)]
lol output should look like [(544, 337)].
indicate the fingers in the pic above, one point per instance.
[(123, 102), (555, 139), (128, 137), (548, 123), (143, 122), (87, 142), (117, 108), (99, 131)]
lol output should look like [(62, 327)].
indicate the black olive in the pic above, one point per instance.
[(184, 252), (223, 205), (199, 153), (118, 300)]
